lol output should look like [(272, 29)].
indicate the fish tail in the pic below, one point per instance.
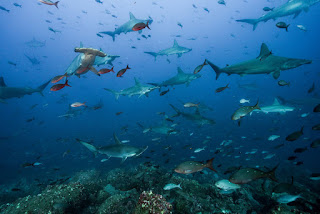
[(215, 68), (272, 174), (42, 87), (209, 164), (256, 106), (56, 4), (66, 84), (205, 62), (110, 33), (177, 110), (253, 22), (89, 146), (128, 67), (116, 94), (153, 54), (112, 69), (148, 25), (287, 27)]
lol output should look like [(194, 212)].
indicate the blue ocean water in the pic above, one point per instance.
[(49, 138)]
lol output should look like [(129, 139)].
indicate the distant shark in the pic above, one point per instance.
[(11, 92), (175, 49), (180, 79), (276, 107), (35, 43), (163, 128), (196, 117), (265, 63), (137, 89), (127, 27), (33, 60), (118, 150), (292, 7)]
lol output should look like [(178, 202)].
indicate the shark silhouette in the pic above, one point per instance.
[(127, 27), (175, 49), (11, 92), (292, 7), (137, 89), (196, 117), (276, 107), (118, 150), (265, 63), (180, 79)]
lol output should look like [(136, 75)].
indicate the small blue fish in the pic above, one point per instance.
[(17, 5), (99, 1), (206, 9), (4, 9)]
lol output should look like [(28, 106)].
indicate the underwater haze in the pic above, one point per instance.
[(160, 106)]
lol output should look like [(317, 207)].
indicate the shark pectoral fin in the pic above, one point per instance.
[(188, 83), (124, 159), (179, 55), (297, 14), (276, 74), (94, 70), (3, 101), (147, 94), (306, 9)]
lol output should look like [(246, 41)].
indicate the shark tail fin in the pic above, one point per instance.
[(89, 146), (56, 4), (256, 106), (153, 54), (253, 22), (110, 33), (116, 94), (177, 110), (42, 87), (215, 68)]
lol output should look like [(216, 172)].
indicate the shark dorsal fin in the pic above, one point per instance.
[(132, 16), (81, 45), (180, 71), (137, 81), (264, 51), (101, 50), (276, 102), (2, 83), (116, 139), (175, 44)]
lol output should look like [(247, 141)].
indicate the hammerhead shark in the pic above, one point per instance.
[(137, 89), (292, 7), (276, 107), (265, 63), (11, 92), (127, 27), (196, 117), (175, 49), (179, 79), (118, 150)]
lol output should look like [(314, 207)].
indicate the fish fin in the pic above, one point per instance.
[(177, 110), (94, 70), (256, 106), (137, 81), (276, 74), (253, 22), (180, 71), (131, 16), (116, 139), (179, 54), (209, 164), (81, 45), (116, 94), (271, 174), (2, 83), (215, 68), (56, 4), (124, 159), (264, 51), (42, 87), (89, 146), (153, 54), (297, 14), (302, 129), (287, 27), (276, 102), (175, 44), (110, 33), (142, 151)]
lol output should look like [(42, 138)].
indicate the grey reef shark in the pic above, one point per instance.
[(292, 7), (117, 150), (12, 92), (137, 89), (127, 27), (175, 49), (265, 63)]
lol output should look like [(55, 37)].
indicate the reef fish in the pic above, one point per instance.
[(247, 175), (189, 167)]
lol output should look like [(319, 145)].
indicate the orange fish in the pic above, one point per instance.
[(105, 70), (48, 2), (222, 88), (122, 71), (58, 78), (58, 87), (140, 26)]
